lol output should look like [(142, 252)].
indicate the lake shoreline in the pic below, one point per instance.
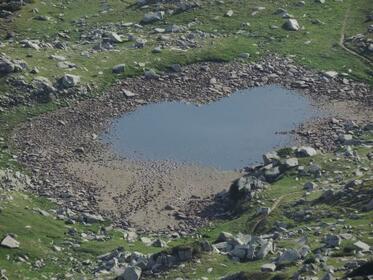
[(49, 143)]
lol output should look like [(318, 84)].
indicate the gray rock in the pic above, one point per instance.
[(331, 74), (140, 43), (69, 81), (114, 37), (265, 249), (91, 218), (310, 186), (245, 187), (245, 55), (131, 273), (130, 236), (264, 210), (184, 253), (9, 242), (332, 240), (6, 66), (223, 247), (288, 257), (328, 276), (147, 241), (268, 267), (306, 151), (151, 74), (176, 68), (173, 28), (157, 50), (159, 243), (206, 246), (225, 236), (361, 246), (43, 84), (57, 57), (345, 138), (304, 251), (270, 157), (290, 163), (119, 68), (369, 206), (272, 174), (152, 17), (314, 169), (240, 251), (291, 25), (229, 13)]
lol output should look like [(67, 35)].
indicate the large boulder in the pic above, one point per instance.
[(244, 187)]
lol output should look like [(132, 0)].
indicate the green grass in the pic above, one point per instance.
[(258, 39)]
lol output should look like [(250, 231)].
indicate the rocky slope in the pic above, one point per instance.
[(68, 67)]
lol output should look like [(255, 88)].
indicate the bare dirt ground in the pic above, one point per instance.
[(151, 195)]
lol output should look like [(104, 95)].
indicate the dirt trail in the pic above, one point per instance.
[(273, 208), (342, 39)]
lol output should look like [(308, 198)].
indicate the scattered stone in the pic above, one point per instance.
[(6, 66), (310, 186), (288, 257), (119, 68), (131, 273), (361, 246), (306, 152), (10, 242), (332, 240), (229, 13), (268, 267), (152, 17), (331, 74), (290, 163), (291, 25), (69, 81)]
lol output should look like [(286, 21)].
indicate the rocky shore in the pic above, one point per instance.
[(50, 145)]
